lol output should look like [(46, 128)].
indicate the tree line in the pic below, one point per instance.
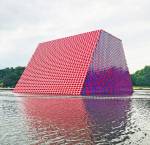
[(10, 76), (141, 77)]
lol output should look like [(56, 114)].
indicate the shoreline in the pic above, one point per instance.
[(134, 88), (140, 88), (5, 89)]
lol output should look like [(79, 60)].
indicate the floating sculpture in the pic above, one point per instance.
[(91, 63)]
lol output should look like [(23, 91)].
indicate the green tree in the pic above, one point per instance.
[(141, 77), (10, 76)]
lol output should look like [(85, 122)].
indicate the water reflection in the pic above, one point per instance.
[(108, 120), (58, 120), (77, 120)]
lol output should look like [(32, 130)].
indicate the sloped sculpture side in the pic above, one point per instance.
[(59, 67)]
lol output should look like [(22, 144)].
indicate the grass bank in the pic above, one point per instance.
[(141, 88)]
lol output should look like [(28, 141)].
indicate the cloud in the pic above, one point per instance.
[(24, 24)]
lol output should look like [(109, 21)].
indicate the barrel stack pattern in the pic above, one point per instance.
[(91, 63)]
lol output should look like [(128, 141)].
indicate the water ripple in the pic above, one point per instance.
[(74, 121)]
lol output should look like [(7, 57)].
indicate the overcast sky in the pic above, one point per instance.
[(25, 23)]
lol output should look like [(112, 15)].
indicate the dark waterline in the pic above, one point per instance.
[(45, 120)]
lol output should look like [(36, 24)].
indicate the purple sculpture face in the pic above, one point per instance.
[(108, 73)]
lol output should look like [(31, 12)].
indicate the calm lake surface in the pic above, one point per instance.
[(28, 120)]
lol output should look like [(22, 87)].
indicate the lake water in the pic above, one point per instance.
[(39, 120)]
